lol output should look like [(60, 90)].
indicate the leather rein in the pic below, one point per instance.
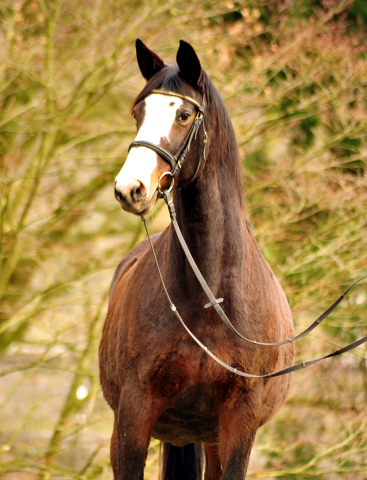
[(176, 163), (215, 303)]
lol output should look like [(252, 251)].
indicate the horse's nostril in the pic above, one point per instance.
[(138, 192), (119, 196)]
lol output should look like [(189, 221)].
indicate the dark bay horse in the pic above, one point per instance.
[(156, 379)]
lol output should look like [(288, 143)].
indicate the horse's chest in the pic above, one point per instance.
[(192, 417), (193, 388), (172, 374)]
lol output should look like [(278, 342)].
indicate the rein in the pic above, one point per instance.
[(215, 303), (176, 162)]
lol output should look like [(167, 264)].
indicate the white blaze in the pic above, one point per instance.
[(160, 114)]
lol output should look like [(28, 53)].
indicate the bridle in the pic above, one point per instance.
[(176, 161)]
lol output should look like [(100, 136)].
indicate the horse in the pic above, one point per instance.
[(157, 380)]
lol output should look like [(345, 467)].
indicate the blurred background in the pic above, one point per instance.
[(293, 75)]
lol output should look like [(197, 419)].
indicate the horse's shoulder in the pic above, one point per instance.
[(130, 259)]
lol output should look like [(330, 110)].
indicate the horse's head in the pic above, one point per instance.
[(168, 114)]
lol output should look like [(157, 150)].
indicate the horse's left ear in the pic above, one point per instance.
[(189, 65)]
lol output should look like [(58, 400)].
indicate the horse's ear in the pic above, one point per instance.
[(149, 62), (189, 65)]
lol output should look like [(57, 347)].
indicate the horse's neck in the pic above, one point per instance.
[(214, 228)]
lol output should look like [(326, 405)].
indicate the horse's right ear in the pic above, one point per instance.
[(189, 65), (149, 62)]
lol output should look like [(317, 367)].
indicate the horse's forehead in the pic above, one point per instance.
[(162, 103), (160, 115)]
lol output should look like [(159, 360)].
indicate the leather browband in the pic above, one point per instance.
[(179, 95)]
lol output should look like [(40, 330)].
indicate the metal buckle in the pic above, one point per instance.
[(169, 188)]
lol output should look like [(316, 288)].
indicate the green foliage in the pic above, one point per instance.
[(293, 76)]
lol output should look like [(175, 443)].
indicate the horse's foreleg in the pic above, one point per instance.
[(213, 469), (132, 431), (238, 426), (113, 450)]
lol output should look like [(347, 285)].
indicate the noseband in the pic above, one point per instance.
[(176, 161)]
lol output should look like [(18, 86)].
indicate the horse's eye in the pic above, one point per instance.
[(183, 116)]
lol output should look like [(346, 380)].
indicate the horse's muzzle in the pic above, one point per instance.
[(134, 199)]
